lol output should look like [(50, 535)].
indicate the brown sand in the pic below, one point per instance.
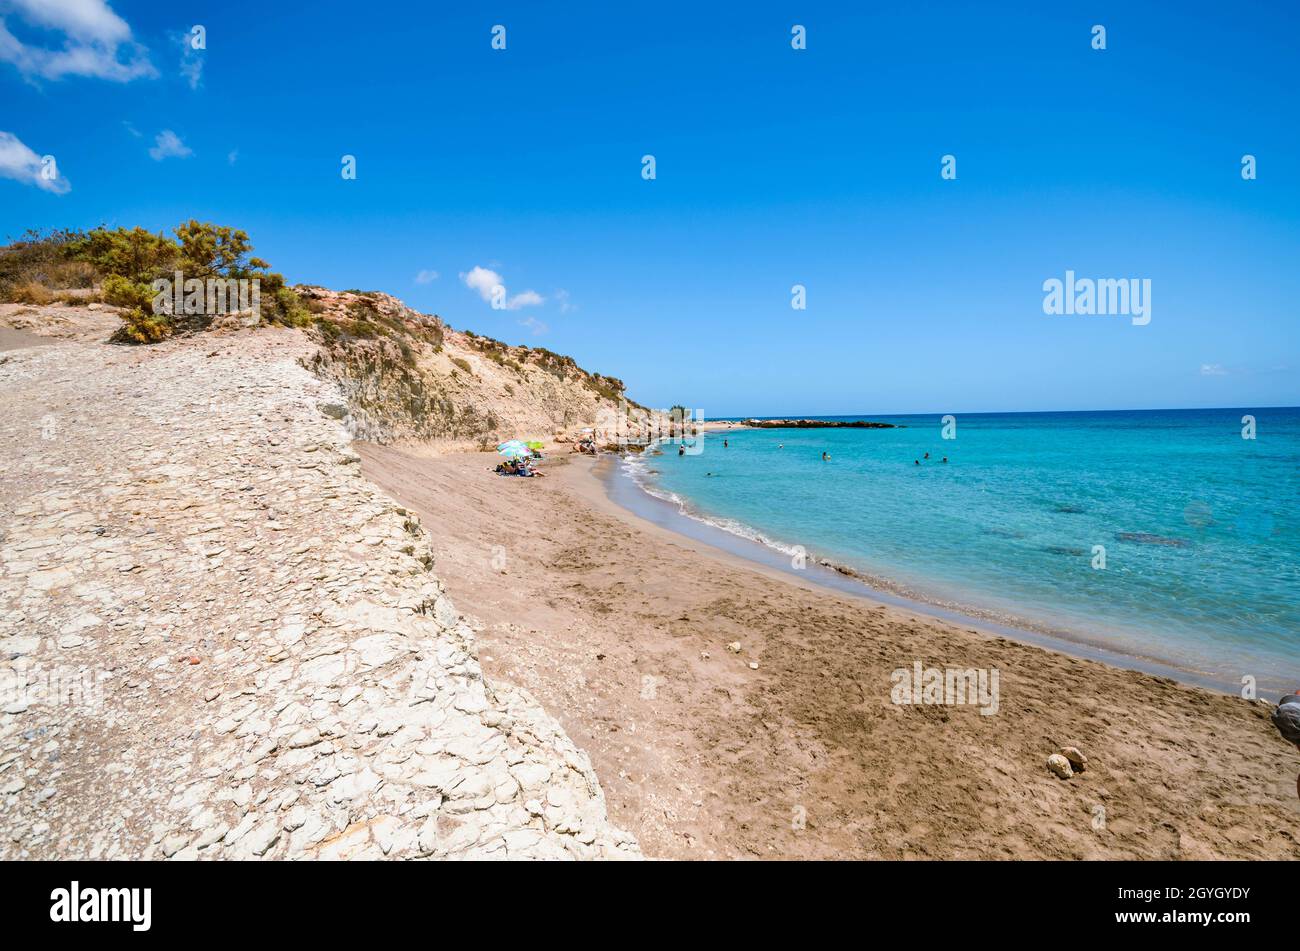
[(607, 620), (11, 339)]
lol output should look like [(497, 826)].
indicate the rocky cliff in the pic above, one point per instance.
[(217, 639), (409, 377)]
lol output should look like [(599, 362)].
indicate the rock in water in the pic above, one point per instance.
[(1060, 766)]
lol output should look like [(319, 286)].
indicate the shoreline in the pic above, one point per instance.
[(628, 493), (790, 746)]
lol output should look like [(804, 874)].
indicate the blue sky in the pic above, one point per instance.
[(775, 167)]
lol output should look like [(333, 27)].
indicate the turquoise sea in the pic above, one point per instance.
[(1198, 524)]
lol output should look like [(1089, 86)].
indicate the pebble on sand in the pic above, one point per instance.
[(1060, 766), (1078, 762)]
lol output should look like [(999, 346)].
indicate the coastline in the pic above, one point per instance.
[(620, 627), (756, 549)]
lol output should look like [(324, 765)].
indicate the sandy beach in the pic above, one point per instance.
[(621, 629)]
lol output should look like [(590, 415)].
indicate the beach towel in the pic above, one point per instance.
[(1287, 718)]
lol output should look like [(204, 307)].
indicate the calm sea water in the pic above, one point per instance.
[(1199, 526)]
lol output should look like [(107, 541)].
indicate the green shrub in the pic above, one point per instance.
[(139, 323), (122, 292), (142, 327), (137, 255)]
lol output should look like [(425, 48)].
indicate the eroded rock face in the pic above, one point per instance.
[(409, 376), (217, 640)]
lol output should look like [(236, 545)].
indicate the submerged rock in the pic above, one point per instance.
[(1146, 538)]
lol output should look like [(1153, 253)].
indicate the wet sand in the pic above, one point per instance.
[(621, 628)]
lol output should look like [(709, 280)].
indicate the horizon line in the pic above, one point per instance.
[(1020, 412)]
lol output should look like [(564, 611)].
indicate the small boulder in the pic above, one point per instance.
[(734, 647), (1060, 766), (1078, 762)]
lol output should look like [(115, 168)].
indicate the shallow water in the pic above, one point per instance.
[(1198, 525)]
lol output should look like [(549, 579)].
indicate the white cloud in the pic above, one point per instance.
[(21, 164), (535, 325), (482, 280), (562, 296), (132, 129), (94, 41), (1212, 369), (233, 157), (486, 281), (169, 145), (525, 299), (191, 63), (426, 277)]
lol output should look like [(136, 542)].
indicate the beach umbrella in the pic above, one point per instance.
[(513, 447)]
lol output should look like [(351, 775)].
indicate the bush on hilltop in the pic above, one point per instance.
[(124, 262)]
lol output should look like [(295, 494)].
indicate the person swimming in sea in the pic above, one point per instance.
[(927, 455), (945, 459), (724, 444), (916, 462), (681, 450), (826, 457)]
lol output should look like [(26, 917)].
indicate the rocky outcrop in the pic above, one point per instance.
[(815, 424), (408, 376), (217, 640)]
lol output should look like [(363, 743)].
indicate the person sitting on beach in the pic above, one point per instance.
[(1287, 720)]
